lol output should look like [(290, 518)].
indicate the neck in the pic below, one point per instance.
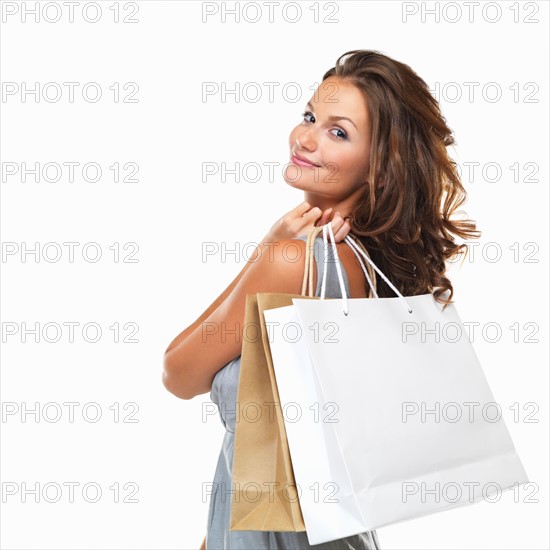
[(344, 206)]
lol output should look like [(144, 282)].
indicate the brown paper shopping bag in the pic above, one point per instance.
[(264, 494)]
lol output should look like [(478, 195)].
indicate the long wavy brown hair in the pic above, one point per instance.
[(405, 224)]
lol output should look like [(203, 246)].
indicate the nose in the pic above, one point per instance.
[(306, 140)]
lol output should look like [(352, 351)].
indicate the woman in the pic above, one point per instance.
[(370, 156)]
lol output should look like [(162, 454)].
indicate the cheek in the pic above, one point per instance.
[(355, 159), (346, 163), (350, 167)]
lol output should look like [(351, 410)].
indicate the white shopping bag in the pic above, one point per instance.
[(397, 418)]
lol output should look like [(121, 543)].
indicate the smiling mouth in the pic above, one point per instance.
[(299, 162)]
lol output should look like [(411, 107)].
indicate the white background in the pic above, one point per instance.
[(170, 453)]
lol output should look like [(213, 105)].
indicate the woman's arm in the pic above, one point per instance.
[(216, 302), (212, 341), (298, 221), (195, 356)]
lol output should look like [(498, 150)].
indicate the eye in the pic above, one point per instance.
[(343, 134), (342, 131)]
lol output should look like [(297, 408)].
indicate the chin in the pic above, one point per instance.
[(298, 180), (302, 185), (294, 184)]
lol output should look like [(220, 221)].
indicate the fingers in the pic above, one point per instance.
[(302, 208), (318, 217), (340, 227), (313, 215), (325, 218), (305, 209), (342, 233)]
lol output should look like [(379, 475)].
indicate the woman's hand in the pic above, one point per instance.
[(302, 219)]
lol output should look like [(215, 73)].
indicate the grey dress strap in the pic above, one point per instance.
[(328, 262)]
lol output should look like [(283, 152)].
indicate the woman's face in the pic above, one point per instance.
[(339, 147)]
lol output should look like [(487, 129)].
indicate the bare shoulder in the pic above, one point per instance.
[(278, 268)]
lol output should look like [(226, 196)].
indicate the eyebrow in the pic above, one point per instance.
[(334, 117)]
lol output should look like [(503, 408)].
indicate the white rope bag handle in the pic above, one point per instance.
[(328, 227), (308, 271)]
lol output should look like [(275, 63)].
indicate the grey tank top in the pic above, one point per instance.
[(224, 394)]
